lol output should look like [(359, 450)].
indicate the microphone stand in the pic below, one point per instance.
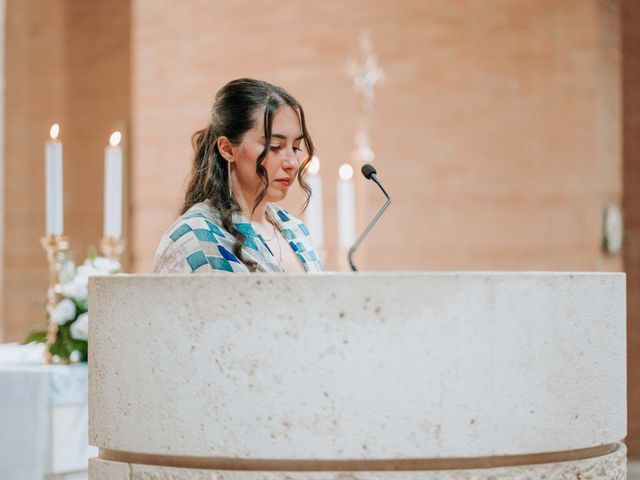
[(355, 246)]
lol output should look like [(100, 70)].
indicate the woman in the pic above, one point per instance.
[(247, 157)]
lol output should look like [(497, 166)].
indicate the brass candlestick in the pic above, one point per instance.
[(56, 247), (113, 248)]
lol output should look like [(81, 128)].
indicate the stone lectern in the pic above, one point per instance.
[(386, 376)]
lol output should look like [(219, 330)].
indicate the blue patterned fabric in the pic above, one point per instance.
[(197, 243)]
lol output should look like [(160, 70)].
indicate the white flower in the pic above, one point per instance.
[(74, 357), (105, 265), (97, 267), (63, 312), (67, 270), (87, 270), (78, 289), (80, 328)]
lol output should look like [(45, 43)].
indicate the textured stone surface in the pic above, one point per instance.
[(610, 467), (106, 470), (370, 366)]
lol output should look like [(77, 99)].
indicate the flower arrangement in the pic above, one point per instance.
[(68, 321)]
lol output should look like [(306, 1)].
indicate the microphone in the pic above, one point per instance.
[(369, 173)]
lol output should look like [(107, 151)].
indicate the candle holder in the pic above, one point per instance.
[(56, 247), (113, 248)]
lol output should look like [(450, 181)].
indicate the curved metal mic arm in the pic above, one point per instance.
[(355, 246)]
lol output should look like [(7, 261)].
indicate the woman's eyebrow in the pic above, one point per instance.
[(284, 137)]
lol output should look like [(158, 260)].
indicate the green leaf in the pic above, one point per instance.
[(37, 337), (56, 348), (92, 252), (65, 345), (81, 307)]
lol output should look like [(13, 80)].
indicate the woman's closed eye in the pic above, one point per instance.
[(277, 148)]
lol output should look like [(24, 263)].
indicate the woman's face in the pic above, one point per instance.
[(282, 160)]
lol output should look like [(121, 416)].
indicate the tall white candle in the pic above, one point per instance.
[(53, 183), (346, 208), (113, 187), (313, 214)]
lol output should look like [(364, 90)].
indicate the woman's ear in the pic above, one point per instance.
[(225, 147)]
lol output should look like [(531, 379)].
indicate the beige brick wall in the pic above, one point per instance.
[(496, 130), (631, 149), (3, 7)]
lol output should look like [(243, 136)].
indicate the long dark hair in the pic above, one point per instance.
[(234, 112)]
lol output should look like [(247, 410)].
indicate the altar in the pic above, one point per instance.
[(43, 417), (395, 376)]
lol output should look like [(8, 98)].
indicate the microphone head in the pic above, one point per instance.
[(368, 170)]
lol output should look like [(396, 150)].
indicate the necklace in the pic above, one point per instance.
[(272, 236), (280, 257), (255, 228)]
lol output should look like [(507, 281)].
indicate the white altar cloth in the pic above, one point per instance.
[(43, 416)]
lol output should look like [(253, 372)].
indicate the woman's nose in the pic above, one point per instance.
[(290, 160)]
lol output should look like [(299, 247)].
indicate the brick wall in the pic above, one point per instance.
[(496, 131), (631, 149), (3, 8)]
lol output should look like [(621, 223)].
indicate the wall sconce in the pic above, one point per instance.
[(612, 230)]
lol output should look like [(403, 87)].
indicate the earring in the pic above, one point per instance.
[(229, 178)]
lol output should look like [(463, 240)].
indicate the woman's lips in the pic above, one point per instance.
[(284, 181)]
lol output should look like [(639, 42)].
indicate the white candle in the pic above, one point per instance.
[(113, 187), (53, 183), (313, 214), (346, 208)]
